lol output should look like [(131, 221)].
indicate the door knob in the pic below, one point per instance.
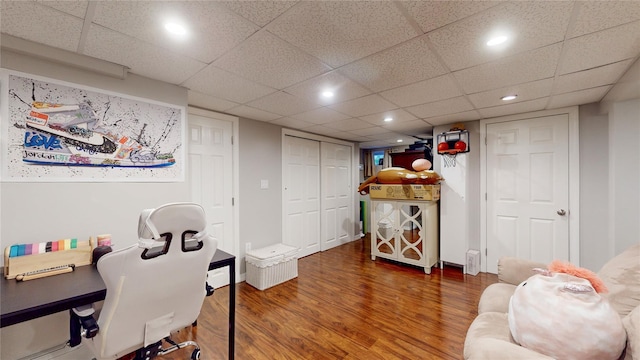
[(561, 212)]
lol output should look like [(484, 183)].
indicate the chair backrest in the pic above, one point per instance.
[(157, 286)]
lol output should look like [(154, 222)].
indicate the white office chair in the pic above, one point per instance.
[(154, 288)]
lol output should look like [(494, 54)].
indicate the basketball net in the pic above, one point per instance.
[(449, 159)]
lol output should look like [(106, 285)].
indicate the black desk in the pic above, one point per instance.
[(23, 301)]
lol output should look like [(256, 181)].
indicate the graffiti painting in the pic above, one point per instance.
[(67, 132)]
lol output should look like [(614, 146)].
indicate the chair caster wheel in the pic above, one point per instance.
[(195, 355)]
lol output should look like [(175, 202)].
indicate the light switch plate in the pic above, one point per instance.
[(264, 184)]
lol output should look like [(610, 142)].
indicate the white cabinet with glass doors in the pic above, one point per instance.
[(405, 231)]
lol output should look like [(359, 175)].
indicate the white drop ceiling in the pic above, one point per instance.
[(425, 63)]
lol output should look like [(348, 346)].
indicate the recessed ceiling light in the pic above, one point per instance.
[(497, 40), (508, 97), (399, 140), (388, 118), (175, 29), (327, 94)]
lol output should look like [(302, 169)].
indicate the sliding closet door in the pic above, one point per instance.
[(337, 197), (301, 194)]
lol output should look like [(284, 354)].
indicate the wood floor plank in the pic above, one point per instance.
[(343, 305)]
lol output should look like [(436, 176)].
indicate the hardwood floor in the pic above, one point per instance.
[(343, 305)]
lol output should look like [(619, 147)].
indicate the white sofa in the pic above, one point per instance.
[(489, 336)]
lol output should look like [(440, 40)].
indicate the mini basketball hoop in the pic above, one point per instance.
[(449, 157), (451, 143)]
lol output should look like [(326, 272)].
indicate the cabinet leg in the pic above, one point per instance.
[(427, 269), (373, 257)]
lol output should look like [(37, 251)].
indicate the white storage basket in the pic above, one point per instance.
[(271, 265)]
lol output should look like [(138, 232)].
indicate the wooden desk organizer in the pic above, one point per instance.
[(47, 263)]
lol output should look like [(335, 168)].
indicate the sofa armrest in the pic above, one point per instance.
[(514, 270), (631, 324)]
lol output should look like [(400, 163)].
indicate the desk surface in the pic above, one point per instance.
[(22, 301)]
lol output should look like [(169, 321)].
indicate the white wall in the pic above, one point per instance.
[(33, 212), (260, 209), (624, 175), (594, 185), (460, 198)]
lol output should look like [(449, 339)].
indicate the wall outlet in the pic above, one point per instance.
[(247, 247)]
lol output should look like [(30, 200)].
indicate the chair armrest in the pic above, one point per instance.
[(82, 318), (514, 270)]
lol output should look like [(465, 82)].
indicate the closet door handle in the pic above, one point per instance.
[(561, 212)]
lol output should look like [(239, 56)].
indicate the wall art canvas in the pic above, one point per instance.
[(57, 131)]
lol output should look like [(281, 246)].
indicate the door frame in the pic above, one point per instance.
[(355, 158), (235, 174), (574, 177)]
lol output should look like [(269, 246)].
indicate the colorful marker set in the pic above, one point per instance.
[(43, 247), (32, 261)]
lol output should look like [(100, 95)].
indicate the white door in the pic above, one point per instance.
[(301, 194), (337, 218), (528, 189), (211, 180)]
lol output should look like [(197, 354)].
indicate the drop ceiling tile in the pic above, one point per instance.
[(518, 108), (205, 21), (348, 124), (321, 115), (291, 123), (601, 48), (400, 65), (398, 115), (374, 130), (223, 84), (408, 127), (431, 15), (324, 130), (579, 97), (366, 105), (520, 19), (458, 104), (527, 91), (141, 57), (374, 144), (389, 137), (259, 12), (344, 88), (530, 66), (339, 32), (56, 28), (440, 88), (209, 102), (266, 59), (349, 136), (599, 15), (453, 118), (249, 112), (603, 75), (75, 8), (283, 104)]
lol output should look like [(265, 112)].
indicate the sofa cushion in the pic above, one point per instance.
[(495, 298), (622, 276), (489, 338)]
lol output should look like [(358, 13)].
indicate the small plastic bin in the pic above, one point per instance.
[(384, 227), (272, 265)]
